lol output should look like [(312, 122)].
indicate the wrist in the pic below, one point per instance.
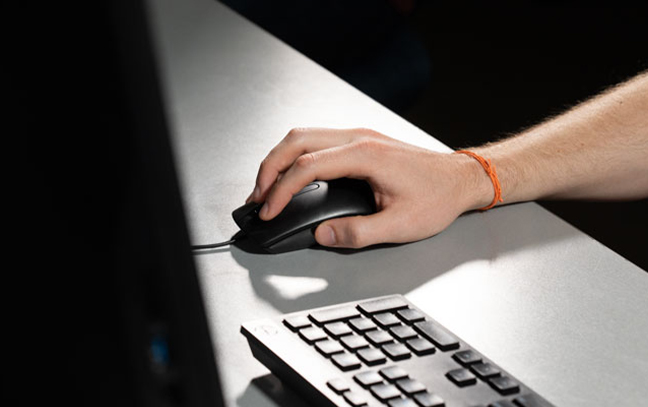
[(477, 188)]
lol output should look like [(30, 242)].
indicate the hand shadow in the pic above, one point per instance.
[(318, 277)]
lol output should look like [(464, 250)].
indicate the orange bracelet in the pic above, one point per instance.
[(489, 167)]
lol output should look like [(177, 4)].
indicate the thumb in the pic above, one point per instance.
[(354, 231)]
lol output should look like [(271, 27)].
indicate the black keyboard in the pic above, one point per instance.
[(381, 351)]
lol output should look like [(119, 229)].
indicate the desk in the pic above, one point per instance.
[(549, 304)]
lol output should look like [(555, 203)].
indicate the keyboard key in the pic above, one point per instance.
[(410, 315), (379, 337), (355, 398), (362, 324), (297, 323), (367, 379), (528, 400), (502, 403), (420, 346), (396, 351), (504, 385), (410, 386), (467, 357), (346, 361), (393, 373), (401, 403), (337, 329), (333, 315), (354, 342), (485, 370), (402, 332), (312, 334), (432, 331), (372, 356), (382, 305), (329, 347), (429, 400), (338, 385), (462, 377), (386, 319), (384, 392)]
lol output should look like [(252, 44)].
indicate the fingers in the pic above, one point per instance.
[(360, 231), (406, 180), (349, 160), (297, 143)]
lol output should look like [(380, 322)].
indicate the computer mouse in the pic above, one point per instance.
[(294, 227)]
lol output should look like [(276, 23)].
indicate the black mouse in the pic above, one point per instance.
[(294, 227)]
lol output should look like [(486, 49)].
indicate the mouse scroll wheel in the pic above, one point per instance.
[(310, 187)]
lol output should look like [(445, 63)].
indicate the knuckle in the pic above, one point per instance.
[(295, 134), (266, 167), (354, 240), (305, 161), (367, 144), (263, 165), (354, 237), (369, 132)]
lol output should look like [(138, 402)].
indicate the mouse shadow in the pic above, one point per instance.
[(248, 246), (320, 276)]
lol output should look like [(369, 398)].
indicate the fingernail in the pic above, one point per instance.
[(327, 236), (264, 211), (254, 196)]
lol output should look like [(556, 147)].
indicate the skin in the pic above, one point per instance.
[(597, 151)]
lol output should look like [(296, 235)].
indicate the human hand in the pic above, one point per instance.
[(418, 192)]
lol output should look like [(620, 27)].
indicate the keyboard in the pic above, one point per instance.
[(381, 351)]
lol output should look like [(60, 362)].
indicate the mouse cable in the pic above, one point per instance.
[(234, 238), (213, 245)]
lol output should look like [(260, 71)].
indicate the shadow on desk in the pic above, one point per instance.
[(318, 277), (273, 389)]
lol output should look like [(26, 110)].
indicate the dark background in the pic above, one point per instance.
[(471, 73)]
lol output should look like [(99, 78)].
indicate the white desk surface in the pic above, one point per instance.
[(563, 313)]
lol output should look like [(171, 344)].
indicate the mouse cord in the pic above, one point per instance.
[(213, 245), (234, 238)]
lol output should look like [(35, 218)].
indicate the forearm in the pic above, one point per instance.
[(598, 151)]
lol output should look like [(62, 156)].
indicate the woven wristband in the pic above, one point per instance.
[(489, 167)]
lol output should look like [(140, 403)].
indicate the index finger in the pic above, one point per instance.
[(337, 162), (297, 142)]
